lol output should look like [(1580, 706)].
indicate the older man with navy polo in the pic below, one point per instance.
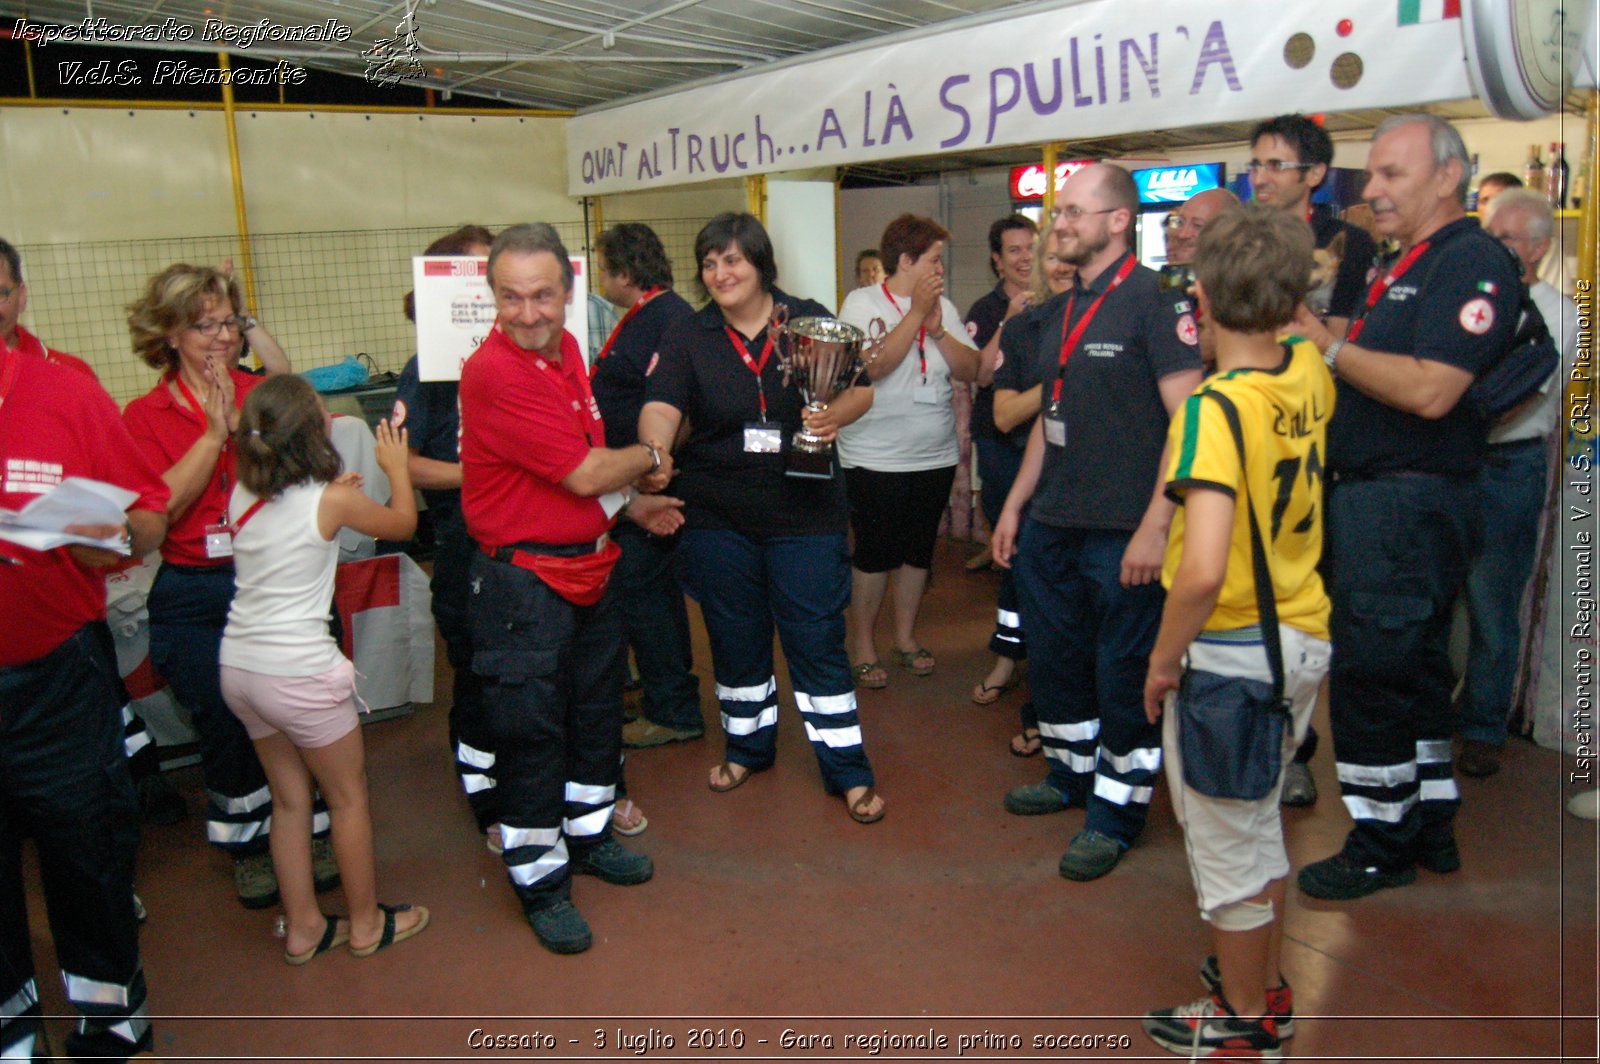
[(1403, 452)]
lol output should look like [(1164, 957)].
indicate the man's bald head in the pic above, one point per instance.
[(1184, 227)]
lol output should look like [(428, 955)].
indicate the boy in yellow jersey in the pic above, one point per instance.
[(1252, 270)]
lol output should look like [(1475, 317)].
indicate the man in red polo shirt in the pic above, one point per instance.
[(63, 778), (540, 491), (13, 301)]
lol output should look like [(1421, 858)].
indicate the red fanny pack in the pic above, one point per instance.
[(581, 580)]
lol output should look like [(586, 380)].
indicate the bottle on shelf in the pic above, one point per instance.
[(1555, 182), (1533, 169)]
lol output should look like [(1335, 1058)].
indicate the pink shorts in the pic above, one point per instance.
[(310, 711)]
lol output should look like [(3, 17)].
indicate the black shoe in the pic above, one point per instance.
[(561, 928), (1442, 857), (324, 869), (1338, 878), (611, 863), (1478, 759), (159, 803)]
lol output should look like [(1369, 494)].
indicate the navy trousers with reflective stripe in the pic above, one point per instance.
[(470, 744), (1399, 548), (800, 585), (1089, 643), (552, 690), (64, 782)]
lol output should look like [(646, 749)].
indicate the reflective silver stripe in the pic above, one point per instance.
[(130, 1030), (1376, 775), (827, 705), (475, 783), (758, 693), (750, 725), (81, 990), (511, 837), (1119, 793), (132, 744), (20, 1002), (551, 861), (1389, 812), (588, 824), (589, 793), (220, 831), (1439, 791), (1433, 751), (1008, 638), (235, 806), (321, 823), (476, 758), (1080, 732), (1075, 762), (22, 1050), (1008, 618), (834, 738), (1144, 759)]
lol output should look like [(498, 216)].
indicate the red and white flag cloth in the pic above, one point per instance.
[(385, 608)]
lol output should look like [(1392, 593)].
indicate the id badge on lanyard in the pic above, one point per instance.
[(1055, 424), (926, 392), (219, 540), (762, 437)]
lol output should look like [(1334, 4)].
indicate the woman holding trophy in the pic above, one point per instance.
[(900, 459), (765, 514)]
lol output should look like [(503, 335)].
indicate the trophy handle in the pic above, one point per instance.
[(777, 328)]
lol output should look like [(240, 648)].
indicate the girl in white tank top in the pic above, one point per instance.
[(282, 672)]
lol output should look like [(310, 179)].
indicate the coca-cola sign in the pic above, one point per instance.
[(1027, 182)]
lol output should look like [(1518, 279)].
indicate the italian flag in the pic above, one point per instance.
[(1415, 11)]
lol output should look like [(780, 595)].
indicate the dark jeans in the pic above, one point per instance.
[(1399, 547), (998, 462), (800, 585), (1091, 640), (645, 582), (64, 782), (1510, 490), (552, 690)]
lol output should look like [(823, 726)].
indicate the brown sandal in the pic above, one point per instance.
[(858, 808), (726, 768)]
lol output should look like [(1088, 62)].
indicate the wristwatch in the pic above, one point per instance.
[(1331, 355), (250, 322), (940, 335), (655, 456)]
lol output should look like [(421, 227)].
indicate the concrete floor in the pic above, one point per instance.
[(771, 912)]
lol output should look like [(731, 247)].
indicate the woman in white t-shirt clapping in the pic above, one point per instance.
[(282, 673), (900, 457)]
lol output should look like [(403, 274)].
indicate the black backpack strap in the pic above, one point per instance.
[(1266, 600)]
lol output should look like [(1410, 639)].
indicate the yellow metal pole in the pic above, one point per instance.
[(1581, 389), (755, 196), (1049, 183), (27, 58), (599, 215), (840, 255), (246, 263)]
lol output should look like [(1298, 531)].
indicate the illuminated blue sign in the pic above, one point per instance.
[(1175, 184)]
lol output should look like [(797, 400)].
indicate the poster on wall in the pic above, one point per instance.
[(455, 311)]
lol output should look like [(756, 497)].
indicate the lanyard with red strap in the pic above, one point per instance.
[(605, 348), (1381, 286), (582, 401), (755, 367), (922, 332), (1069, 343), (225, 458)]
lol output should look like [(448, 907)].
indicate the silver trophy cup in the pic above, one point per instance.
[(822, 357)]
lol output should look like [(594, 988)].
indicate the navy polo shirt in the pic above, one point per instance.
[(1116, 423), (722, 486), (431, 415), (1456, 304), (618, 379), (1023, 360), (982, 320)]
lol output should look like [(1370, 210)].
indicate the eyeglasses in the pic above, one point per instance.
[(211, 328), (1276, 166), (1074, 213), (7, 293), (1174, 222)]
